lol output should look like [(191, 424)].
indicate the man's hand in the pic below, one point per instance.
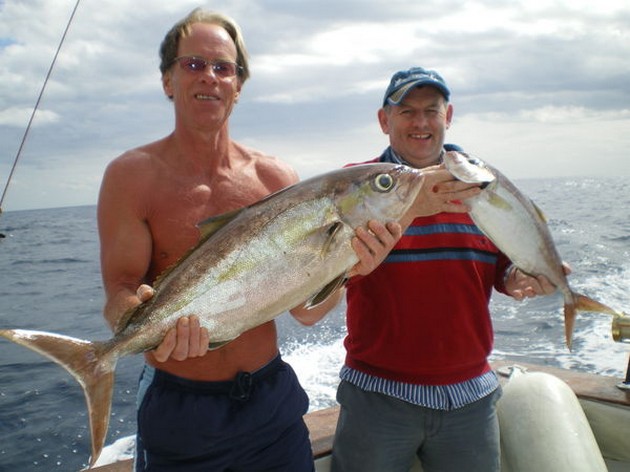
[(441, 192), (373, 245), (520, 285), (186, 340)]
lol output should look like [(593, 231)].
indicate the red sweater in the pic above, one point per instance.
[(422, 316)]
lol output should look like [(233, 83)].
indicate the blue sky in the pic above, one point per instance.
[(540, 88)]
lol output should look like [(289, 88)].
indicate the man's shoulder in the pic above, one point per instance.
[(260, 157), (138, 157), (270, 169)]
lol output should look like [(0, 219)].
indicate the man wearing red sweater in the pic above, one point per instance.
[(416, 380)]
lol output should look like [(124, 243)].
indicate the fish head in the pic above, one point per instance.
[(468, 169), (379, 191)]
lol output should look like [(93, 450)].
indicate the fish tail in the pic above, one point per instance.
[(579, 302), (584, 303), (89, 363), (570, 313)]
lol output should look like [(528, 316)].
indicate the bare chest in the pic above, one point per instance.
[(180, 207)]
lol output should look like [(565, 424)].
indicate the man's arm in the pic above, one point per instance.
[(126, 245)]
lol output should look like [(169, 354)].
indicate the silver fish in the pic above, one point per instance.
[(519, 229), (249, 266)]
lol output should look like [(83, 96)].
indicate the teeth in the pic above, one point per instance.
[(421, 136), (204, 97)]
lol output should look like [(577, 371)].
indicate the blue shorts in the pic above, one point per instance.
[(253, 423)]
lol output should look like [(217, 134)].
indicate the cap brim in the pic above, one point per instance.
[(398, 96)]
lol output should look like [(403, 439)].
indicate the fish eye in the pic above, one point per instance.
[(383, 182)]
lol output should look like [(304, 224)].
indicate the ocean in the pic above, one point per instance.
[(50, 280)]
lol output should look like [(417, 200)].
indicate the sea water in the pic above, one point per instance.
[(50, 280)]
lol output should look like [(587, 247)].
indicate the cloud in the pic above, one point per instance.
[(15, 116), (530, 82)]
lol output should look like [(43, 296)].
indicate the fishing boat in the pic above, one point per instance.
[(604, 404), (604, 401)]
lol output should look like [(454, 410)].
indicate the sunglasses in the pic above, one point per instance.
[(220, 69)]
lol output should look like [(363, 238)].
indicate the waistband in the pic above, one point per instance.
[(239, 388)]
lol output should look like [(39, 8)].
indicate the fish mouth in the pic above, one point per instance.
[(468, 169)]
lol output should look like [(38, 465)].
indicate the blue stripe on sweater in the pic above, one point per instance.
[(444, 254)]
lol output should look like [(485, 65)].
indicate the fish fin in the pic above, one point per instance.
[(332, 232), (569, 323), (539, 211), (326, 292), (88, 363), (211, 225), (206, 229), (582, 303), (123, 321), (212, 346)]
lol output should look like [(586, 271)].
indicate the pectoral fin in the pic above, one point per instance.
[(333, 231)]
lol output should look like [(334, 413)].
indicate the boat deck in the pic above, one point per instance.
[(601, 399)]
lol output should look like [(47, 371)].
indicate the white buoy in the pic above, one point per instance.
[(543, 427)]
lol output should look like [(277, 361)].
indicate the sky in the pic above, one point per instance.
[(540, 88)]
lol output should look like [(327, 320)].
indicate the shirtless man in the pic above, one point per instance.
[(239, 407)]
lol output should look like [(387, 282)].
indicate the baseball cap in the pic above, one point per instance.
[(404, 80)]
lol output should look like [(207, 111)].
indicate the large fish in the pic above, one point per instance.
[(249, 266), (518, 228)]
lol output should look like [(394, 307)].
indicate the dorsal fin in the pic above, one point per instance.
[(206, 229), (540, 212), (214, 223)]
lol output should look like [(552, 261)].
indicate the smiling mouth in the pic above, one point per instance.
[(200, 96), (421, 136)]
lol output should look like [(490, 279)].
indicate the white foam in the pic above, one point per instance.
[(121, 450), (317, 367)]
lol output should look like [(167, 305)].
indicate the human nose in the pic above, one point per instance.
[(209, 73), (420, 119)]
